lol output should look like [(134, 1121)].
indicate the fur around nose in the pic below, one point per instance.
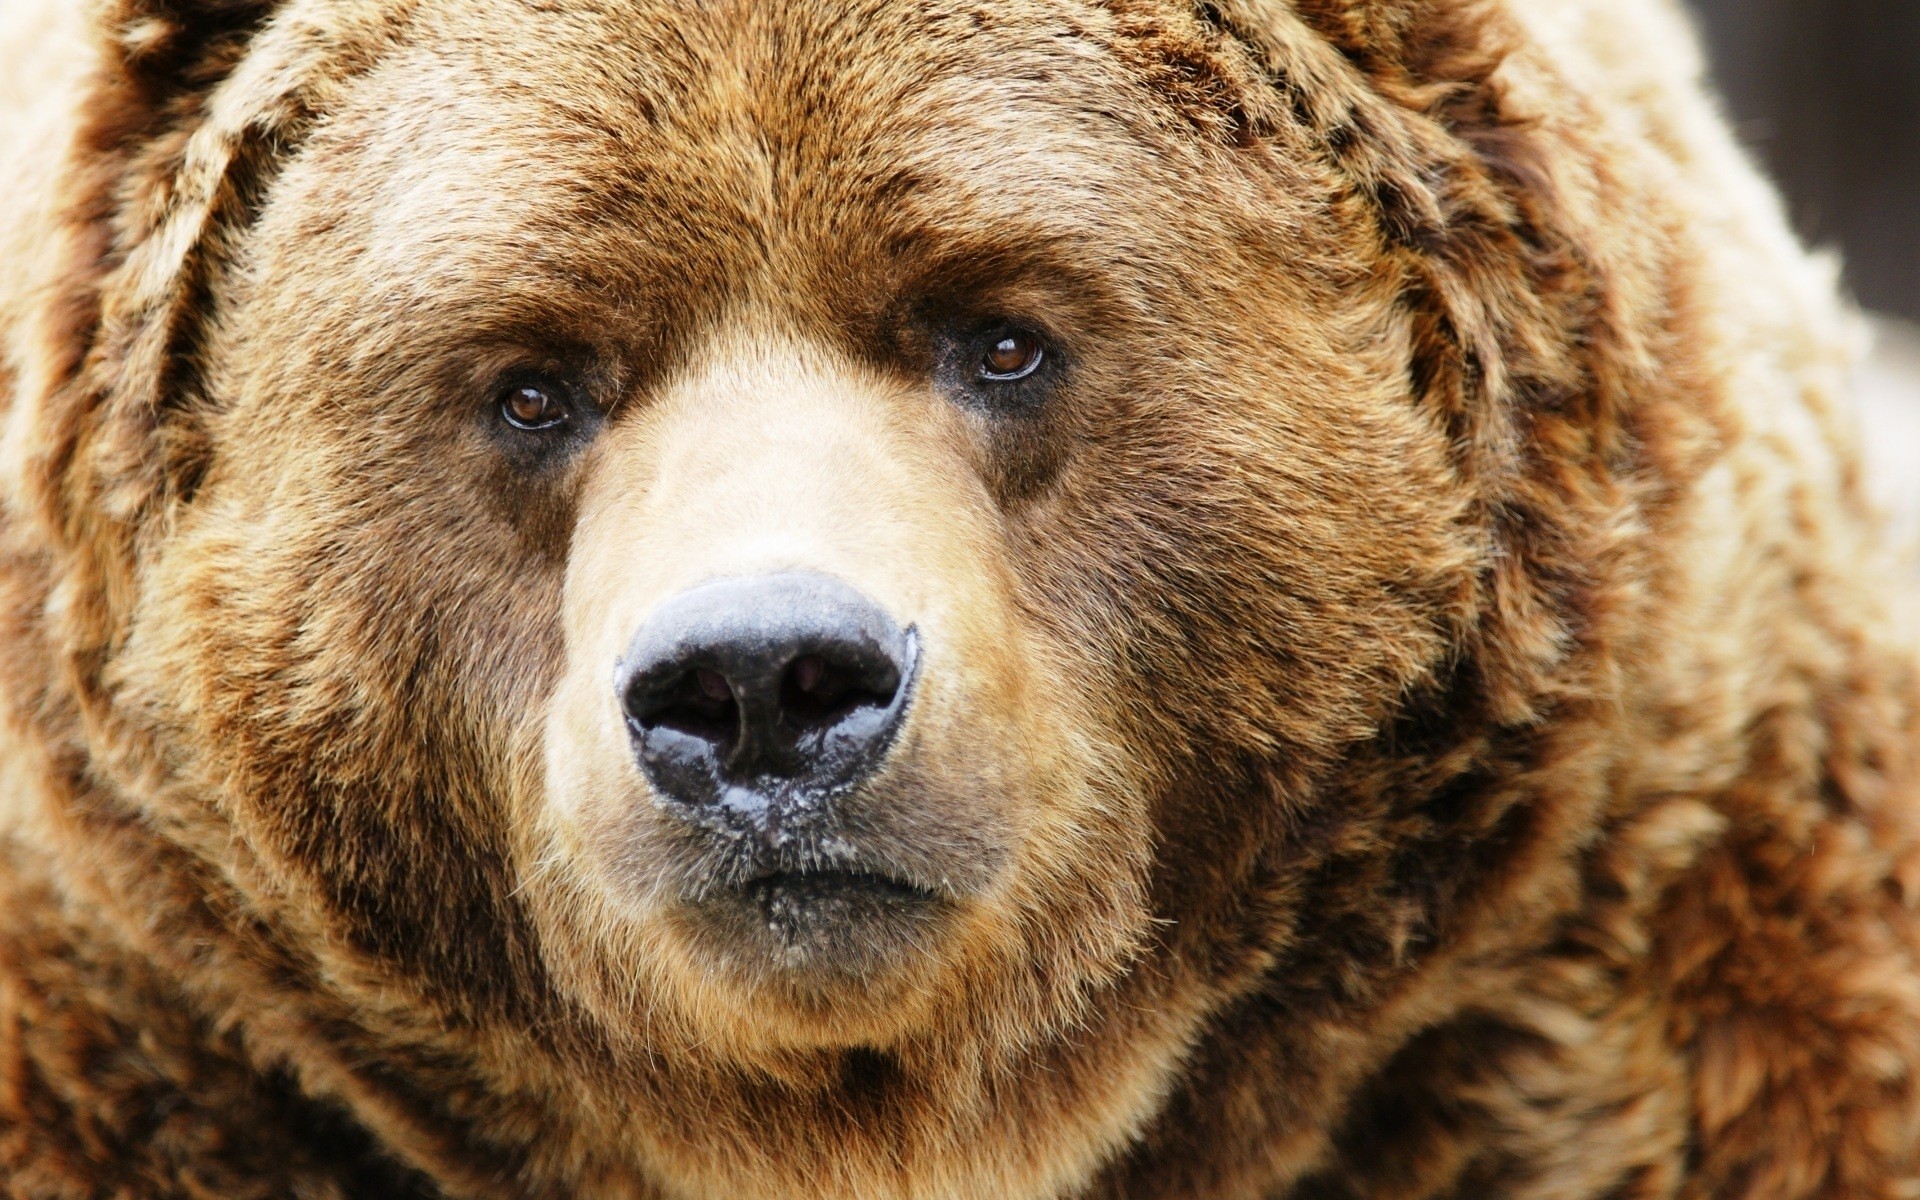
[(743, 692)]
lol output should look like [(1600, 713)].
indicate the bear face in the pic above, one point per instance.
[(758, 316), (533, 338)]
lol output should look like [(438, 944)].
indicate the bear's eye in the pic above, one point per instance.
[(1010, 356), (535, 405)]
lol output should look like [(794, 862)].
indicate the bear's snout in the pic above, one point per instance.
[(812, 762), (757, 709), (756, 702)]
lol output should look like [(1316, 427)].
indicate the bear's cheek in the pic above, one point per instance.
[(339, 651), (993, 800), (1264, 557)]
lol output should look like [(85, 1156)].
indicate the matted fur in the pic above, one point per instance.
[(1425, 700)]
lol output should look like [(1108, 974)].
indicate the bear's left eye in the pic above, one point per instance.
[(535, 405), (1010, 356)]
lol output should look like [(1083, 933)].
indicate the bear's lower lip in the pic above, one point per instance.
[(828, 924)]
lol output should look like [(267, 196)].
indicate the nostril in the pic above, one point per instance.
[(713, 686), (816, 691), (699, 702)]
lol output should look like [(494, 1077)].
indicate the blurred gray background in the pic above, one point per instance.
[(1827, 92)]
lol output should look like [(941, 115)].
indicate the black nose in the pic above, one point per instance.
[(743, 692)]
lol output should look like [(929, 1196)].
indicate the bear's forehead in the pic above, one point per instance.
[(667, 135)]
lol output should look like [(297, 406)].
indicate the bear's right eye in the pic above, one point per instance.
[(535, 406), (1012, 356)]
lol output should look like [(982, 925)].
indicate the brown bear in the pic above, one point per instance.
[(933, 598)]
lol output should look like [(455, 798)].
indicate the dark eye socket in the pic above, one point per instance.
[(535, 405), (1010, 355)]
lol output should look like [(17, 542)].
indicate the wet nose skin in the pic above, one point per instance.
[(753, 696)]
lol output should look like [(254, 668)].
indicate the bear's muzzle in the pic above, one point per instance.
[(757, 706)]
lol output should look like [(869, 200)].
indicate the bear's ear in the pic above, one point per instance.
[(1405, 98), (190, 100), (178, 44), (1431, 39), (189, 107), (1504, 292)]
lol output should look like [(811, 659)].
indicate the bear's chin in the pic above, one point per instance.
[(783, 964), (811, 981)]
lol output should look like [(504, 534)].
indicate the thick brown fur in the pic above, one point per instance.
[(1421, 709)]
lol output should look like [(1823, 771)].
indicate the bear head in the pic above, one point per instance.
[(801, 575)]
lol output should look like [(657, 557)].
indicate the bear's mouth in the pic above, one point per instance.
[(778, 889), (824, 922)]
